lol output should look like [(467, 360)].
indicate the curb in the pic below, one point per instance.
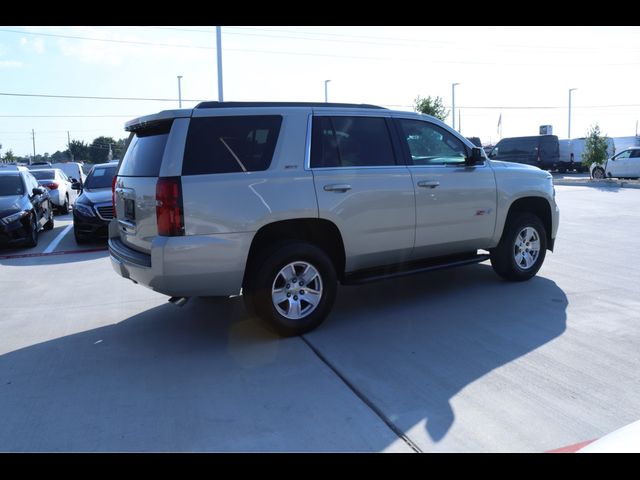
[(596, 183)]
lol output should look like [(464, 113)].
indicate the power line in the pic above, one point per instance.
[(129, 42), (70, 116), (99, 98)]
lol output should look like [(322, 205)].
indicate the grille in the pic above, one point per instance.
[(105, 212)]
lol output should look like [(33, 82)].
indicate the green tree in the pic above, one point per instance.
[(431, 106), (595, 147), (9, 157), (118, 151), (79, 150), (59, 156), (99, 149)]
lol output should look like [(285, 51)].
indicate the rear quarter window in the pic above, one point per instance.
[(230, 144), (144, 154)]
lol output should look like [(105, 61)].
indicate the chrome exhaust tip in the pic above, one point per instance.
[(179, 301)]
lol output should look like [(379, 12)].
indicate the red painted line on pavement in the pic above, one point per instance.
[(64, 252), (572, 448)]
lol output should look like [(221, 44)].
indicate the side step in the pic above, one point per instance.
[(374, 274)]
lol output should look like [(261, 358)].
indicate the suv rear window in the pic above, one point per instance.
[(230, 144), (144, 154)]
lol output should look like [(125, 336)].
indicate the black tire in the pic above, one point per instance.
[(80, 239), (32, 239), (597, 173), (266, 274), (562, 169), (64, 209), (49, 224), (503, 256)]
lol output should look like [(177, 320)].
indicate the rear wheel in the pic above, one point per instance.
[(522, 248), (598, 173), (293, 288), (64, 209)]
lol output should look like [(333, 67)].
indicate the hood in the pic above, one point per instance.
[(517, 166), (10, 204), (97, 195)]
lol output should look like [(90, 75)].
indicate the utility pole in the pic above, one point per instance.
[(110, 155), (69, 145), (33, 137), (453, 105), (179, 92), (326, 96), (219, 48), (569, 127)]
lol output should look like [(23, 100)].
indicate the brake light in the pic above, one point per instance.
[(169, 212), (113, 194), (51, 185)]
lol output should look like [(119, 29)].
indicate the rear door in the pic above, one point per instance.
[(363, 189), (634, 164), (135, 189)]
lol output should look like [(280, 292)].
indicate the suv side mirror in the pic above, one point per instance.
[(37, 191), (76, 185), (475, 157)]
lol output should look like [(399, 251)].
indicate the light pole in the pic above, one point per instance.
[(569, 129), (219, 48), (179, 92), (453, 104), (325, 91)]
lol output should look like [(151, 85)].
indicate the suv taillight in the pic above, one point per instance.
[(113, 194), (169, 212)]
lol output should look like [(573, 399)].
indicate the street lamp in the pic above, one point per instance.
[(179, 92), (325, 90), (569, 129), (453, 104)]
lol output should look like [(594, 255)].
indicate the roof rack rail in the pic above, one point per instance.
[(215, 104)]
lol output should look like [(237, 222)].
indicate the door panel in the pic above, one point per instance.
[(458, 214), (373, 208)]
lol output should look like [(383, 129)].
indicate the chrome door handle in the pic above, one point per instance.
[(428, 183), (337, 187)]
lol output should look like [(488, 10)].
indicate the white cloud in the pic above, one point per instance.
[(10, 64)]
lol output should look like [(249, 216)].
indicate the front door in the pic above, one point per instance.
[(455, 203), (363, 189)]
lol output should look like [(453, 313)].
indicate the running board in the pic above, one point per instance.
[(374, 274)]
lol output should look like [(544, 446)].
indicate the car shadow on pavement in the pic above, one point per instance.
[(203, 377), (410, 345)]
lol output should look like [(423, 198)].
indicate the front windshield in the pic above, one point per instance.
[(11, 185), (100, 177)]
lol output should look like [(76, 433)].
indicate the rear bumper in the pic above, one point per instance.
[(197, 265)]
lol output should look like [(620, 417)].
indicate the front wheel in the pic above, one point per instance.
[(522, 248), (32, 234), (293, 288), (50, 223), (598, 173)]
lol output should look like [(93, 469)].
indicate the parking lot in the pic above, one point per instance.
[(455, 360)]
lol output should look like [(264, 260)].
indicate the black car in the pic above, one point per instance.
[(25, 208), (542, 151), (94, 209)]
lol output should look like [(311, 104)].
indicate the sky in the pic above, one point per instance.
[(519, 74)]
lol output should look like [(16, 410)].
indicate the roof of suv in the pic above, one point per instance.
[(148, 120)]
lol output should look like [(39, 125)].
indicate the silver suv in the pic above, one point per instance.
[(281, 201)]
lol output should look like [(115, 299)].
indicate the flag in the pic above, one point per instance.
[(499, 122)]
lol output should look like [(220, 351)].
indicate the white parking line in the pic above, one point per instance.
[(58, 239)]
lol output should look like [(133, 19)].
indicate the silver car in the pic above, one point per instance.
[(59, 187), (281, 201)]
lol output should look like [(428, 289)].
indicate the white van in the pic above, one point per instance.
[(72, 170)]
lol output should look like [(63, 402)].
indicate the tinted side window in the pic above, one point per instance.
[(144, 153), (230, 144), (635, 154), (431, 145), (351, 142), (30, 182)]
